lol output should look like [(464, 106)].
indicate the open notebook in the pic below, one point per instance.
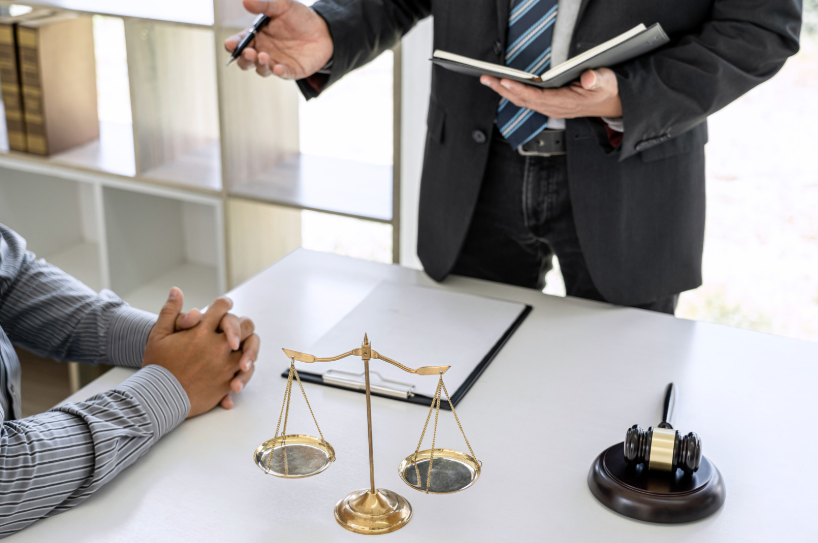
[(637, 41), (416, 326)]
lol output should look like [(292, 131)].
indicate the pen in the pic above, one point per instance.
[(260, 23)]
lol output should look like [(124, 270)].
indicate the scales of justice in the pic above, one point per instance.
[(371, 510)]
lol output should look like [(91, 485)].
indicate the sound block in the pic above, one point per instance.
[(655, 496)]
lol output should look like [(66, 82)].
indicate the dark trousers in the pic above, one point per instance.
[(523, 218)]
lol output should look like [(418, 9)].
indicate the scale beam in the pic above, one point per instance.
[(309, 359)]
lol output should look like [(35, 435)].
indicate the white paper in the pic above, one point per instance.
[(416, 326)]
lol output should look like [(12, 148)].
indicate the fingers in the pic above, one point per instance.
[(186, 321), (232, 42), (231, 326), (237, 328), (589, 80), (227, 402), (216, 312), (273, 8), (247, 328), (166, 323), (523, 95), (283, 71), (249, 352), (263, 65), (514, 92), (248, 58), (241, 379)]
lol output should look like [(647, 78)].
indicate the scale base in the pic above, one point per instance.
[(363, 512), (663, 497)]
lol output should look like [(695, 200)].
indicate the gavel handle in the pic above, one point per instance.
[(670, 402)]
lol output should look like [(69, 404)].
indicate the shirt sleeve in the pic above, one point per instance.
[(48, 312), (615, 123), (55, 460)]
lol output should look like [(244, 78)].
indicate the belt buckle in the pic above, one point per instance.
[(524, 152)]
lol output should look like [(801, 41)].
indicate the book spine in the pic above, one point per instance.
[(11, 90), (28, 54)]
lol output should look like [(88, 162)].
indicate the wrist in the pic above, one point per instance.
[(325, 40)]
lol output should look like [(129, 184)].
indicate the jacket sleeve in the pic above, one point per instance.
[(53, 314), (55, 460), (744, 43), (363, 29)]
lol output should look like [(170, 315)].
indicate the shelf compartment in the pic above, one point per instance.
[(112, 153), (200, 168), (319, 183), (59, 220), (155, 243), (259, 235), (197, 282), (174, 102)]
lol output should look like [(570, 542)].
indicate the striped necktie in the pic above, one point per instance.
[(530, 29)]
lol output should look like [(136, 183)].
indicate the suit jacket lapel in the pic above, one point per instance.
[(581, 11), (572, 47), (503, 11)]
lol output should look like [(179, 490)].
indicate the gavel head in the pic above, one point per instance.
[(663, 448)]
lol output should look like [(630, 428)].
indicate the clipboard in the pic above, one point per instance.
[(417, 309)]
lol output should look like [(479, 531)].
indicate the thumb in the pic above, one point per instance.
[(589, 80), (273, 8), (166, 323)]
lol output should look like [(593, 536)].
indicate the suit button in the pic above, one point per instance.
[(478, 136), (498, 48)]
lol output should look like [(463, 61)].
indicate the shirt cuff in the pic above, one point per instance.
[(159, 392), (616, 123), (128, 335)]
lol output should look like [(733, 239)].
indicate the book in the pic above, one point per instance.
[(59, 83), (10, 77), (631, 44), (416, 326)]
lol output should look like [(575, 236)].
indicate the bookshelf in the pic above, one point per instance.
[(200, 180)]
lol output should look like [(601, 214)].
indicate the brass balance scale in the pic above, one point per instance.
[(369, 511)]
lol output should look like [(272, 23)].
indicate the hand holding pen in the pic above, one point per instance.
[(289, 40)]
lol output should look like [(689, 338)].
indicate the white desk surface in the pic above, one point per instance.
[(569, 383)]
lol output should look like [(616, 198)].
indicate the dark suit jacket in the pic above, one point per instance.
[(639, 208)]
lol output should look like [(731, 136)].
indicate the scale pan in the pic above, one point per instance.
[(294, 456), (452, 471)]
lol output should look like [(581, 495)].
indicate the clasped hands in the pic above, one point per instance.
[(211, 354)]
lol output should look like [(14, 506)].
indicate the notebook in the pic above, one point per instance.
[(416, 326), (633, 43)]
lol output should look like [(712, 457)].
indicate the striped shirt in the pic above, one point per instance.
[(53, 461)]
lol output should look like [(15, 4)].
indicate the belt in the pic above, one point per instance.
[(546, 143)]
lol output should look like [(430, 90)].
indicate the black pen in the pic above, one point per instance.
[(260, 23)]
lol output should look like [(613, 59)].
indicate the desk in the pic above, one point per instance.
[(573, 378)]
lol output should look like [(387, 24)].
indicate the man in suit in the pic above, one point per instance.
[(606, 173)]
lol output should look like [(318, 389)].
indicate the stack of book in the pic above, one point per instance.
[(48, 78)]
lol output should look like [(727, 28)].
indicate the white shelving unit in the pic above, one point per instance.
[(203, 183)]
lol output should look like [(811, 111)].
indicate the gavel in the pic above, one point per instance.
[(663, 448)]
